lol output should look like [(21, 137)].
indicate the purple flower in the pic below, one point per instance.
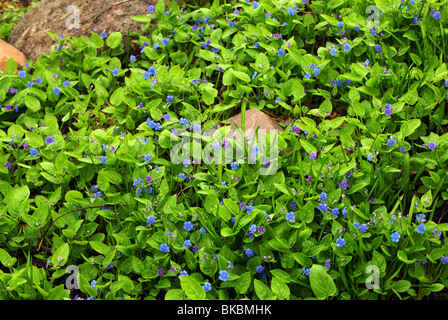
[(312, 155), (160, 272), (431, 145)]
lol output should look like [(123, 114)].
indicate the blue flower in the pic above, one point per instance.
[(164, 247), (115, 71), (231, 24), (340, 242), (147, 157), (290, 217), (390, 142), (431, 145), (183, 273), (187, 244), (316, 71), (346, 47), (378, 48), (323, 196), (207, 286), (421, 229), (66, 83), (223, 275), (335, 212), (93, 283), (56, 90), (312, 155), (234, 166), (280, 52), (260, 269), (103, 35), (150, 220), (255, 4), (369, 157), (188, 225), (103, 159), (169, 99), (253, 228), (420, 217), (151, 9), (183, 121), (333, 52), (436, 15), (34, 152), (291, 11), (306, 271), (156, 45), (307, 76), (29, 84), (395, 236), (49, 140), (249, 253), (38, 80), (22, 74), (322, 207), (165, 41), (182, 176)]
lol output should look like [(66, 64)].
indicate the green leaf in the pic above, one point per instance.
[(409, 127), (262, 291), (114, 40), (321, 282), (192, 288), (175, 294), (401, 285), (403, 257), (280, 289), (243, 283), (307, 213), (100, 247), (60, 256), (241, 75), (11, 66), (32, 103), (73, 196)]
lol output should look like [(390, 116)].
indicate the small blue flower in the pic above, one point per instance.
[(29, 84), (187, 244), (255, 4), (340, 242), (103, 159), (333, 52), (22, 74), (207, 286), (147, 157), (346, 47), (115, 71), (183, 273), (421, 228), (188, 225), (280, 52), (223, 275), (151, 220), (369, 157), (165, 41), (156, 45), (249, 253), (34, 152), (56, 90), (169, 99), (323, 196), (260, 269), (290, 217), (395, 236), (164, 248)]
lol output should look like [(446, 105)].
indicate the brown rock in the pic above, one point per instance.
[(254, 118), (8, 51), (30, 34)]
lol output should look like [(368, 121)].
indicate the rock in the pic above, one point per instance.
[(30, 34), (254, 118), (7, 51)]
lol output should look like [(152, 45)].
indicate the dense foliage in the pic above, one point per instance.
[(87, 177)]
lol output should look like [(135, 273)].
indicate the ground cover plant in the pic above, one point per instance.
[(354, 208)]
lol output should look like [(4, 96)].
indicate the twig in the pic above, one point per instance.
[(89, 207)]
